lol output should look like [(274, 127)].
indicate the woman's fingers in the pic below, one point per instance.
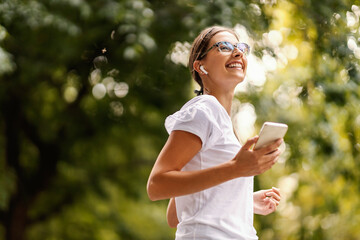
[(274, 204), (273, 194), (271, 204), (271, 159), (276, 190), (269, 149)]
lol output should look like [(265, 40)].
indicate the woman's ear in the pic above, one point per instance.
[(198, 67)]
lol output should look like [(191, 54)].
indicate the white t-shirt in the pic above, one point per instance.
[(226, 210)]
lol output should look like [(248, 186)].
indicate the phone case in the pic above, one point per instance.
[(270, 132)]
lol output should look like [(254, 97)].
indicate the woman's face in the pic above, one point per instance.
[(225, 69)]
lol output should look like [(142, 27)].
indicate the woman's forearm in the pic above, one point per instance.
[(166, 179), (177, 183)]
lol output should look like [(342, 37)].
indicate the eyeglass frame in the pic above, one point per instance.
[(228, 44)]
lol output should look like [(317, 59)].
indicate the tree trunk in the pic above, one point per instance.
[(16, 220), (15, 217)]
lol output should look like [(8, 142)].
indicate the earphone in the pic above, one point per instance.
[(203, 69)]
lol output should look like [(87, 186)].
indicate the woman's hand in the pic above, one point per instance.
[(254, 162), (266, 201)]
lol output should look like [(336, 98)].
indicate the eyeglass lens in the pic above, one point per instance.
[(228, 47)]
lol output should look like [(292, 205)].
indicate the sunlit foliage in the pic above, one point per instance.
[(85, 87)]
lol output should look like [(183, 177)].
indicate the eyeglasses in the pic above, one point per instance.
[(228, 47)]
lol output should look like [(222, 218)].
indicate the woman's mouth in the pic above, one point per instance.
[(234, 65)]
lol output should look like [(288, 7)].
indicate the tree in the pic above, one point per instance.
[(86, 86), (69, 131), (316, 95)]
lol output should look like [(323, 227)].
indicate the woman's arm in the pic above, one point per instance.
[(171, 215), (166, 179)]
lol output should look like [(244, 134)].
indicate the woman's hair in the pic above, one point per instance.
[(199, 47)]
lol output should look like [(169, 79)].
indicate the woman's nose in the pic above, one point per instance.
[(237, 52)]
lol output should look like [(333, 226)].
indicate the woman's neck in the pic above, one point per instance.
[(225, 99)]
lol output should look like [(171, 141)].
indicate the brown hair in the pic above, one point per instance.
[(199, 47)]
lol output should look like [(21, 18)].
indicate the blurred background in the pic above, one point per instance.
[(85, 87)]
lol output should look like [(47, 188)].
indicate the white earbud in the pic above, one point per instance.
[(203, 69)]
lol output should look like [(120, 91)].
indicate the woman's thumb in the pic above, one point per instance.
[(250, 142)]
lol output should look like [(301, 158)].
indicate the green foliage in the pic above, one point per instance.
[(85, 87), (317, 96)]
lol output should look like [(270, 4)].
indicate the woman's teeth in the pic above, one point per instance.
[(235, 65)]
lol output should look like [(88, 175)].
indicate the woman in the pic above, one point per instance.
[(202, 168)]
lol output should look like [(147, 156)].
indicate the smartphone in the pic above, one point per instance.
[(270, 132)]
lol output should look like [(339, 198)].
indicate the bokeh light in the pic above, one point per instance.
[(99, 91)]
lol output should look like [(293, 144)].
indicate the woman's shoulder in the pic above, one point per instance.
[(200, 108), (200, 116), (208, 102)]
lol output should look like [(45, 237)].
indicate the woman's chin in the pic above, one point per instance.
[(239, 78)]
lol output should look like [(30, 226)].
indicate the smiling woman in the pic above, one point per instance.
[(221, 63), (202, 168)]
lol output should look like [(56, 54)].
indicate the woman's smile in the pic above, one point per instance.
[(235, 64)]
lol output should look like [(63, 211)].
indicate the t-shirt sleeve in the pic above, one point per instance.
[(197, 119)]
